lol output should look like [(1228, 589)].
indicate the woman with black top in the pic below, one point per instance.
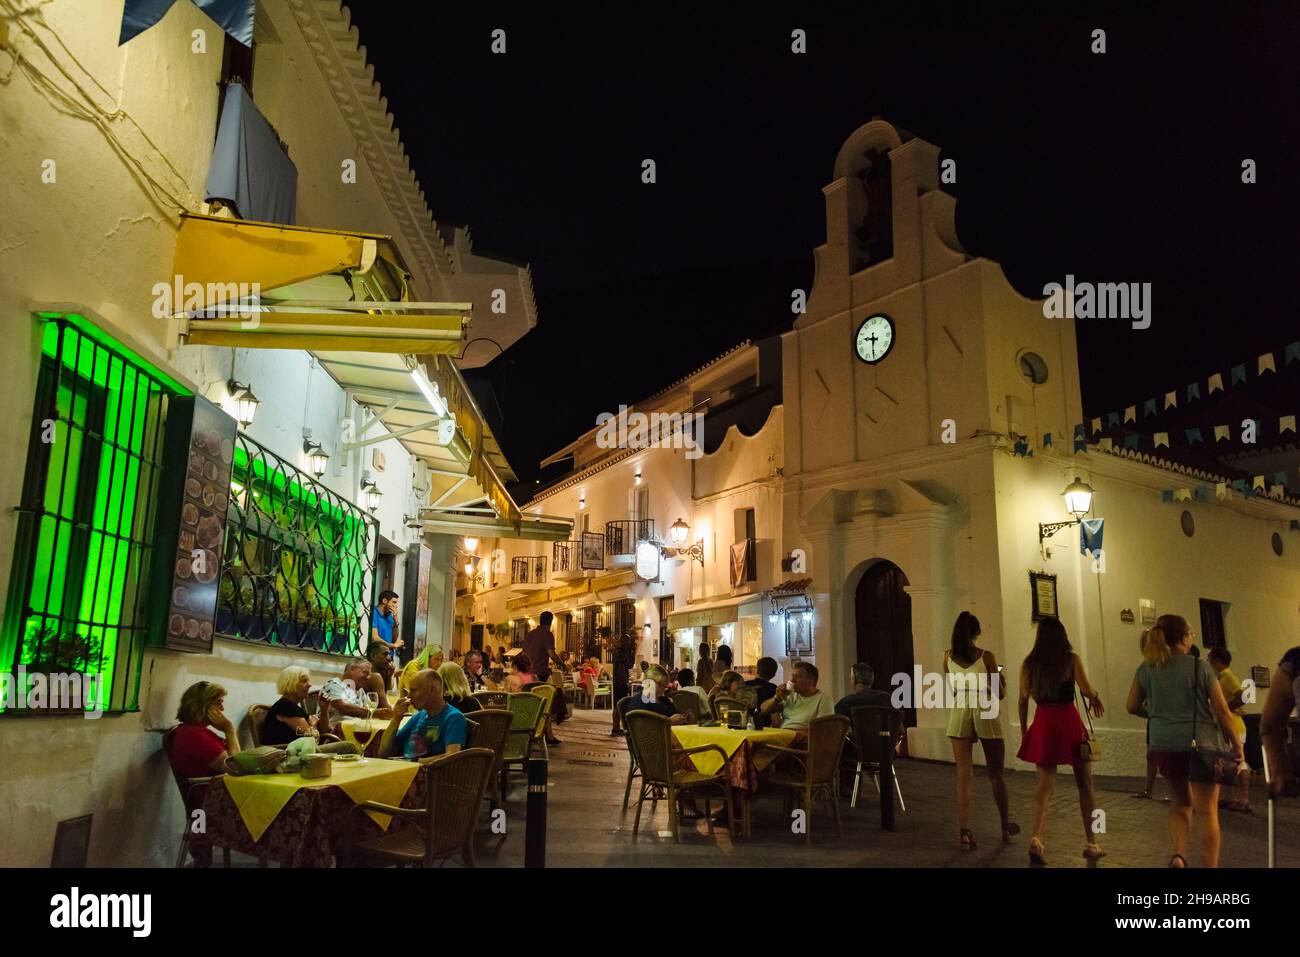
[(1049, 675), (287, 718)]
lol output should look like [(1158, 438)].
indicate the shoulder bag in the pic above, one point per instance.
[(1089, 747), (1208, 765)]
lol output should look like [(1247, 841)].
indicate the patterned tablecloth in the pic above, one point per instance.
[(739, 745), (299, 822)]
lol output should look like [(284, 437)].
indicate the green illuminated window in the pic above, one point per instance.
[(85, 525)]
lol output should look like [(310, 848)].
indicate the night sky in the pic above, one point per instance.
[(1122, 167)]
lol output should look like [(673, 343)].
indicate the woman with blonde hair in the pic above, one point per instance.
[(1154, 653), (455, 688), (1182, 702), (731, 684), (196, 751), (430, 659), (287, 718)]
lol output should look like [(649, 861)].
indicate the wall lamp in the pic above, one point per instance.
[(680, 531), (245, 402), (1078, 502), (317, 457), (372, 493)]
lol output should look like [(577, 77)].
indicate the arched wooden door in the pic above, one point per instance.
[(884, 616)]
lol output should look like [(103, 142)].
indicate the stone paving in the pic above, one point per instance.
[(587, 826)]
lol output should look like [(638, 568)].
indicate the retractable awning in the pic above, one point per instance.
[(261, 285), (708, 613)]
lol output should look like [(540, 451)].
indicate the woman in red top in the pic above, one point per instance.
[(523, 674), (196, 751)]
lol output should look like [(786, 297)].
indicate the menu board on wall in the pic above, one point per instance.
[(415, 603), (193, 496)]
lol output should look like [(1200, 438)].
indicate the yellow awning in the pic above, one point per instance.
[(709, 613), (261, 285)]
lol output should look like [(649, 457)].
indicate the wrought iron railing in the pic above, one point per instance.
[(299, 562), (566, 557), (621, 537), (528, 570)]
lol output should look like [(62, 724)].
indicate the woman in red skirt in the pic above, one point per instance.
[(1049, 675)]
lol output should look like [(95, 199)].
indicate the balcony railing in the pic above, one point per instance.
[(621, 537), (530, 570), (566, 558)]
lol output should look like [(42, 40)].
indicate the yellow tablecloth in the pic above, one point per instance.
[(260, 797), (710, 762), (376, 726)]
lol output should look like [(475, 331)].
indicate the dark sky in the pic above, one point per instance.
[(1122, 167)]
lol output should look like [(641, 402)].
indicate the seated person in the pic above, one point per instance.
[(522, 675), (436, 727), (286, 718), (347, 694), (794, 710), (473, 669), (590, 674), (455, 688), (863, 695), (196, 751), (429, 659), (762, 688), (731, 684), (661, 703), (686, 682)]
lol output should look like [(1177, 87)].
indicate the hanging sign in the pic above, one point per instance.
[(647, 561)]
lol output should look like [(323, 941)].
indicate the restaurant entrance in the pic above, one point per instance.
[(884, 619)]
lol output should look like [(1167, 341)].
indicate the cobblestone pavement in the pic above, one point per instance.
[(587, 826)]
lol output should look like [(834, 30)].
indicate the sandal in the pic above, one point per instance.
[(1178, 857), (1142, 795), (1036, 858), (967, 839), (1092, 851), (1010, 831)]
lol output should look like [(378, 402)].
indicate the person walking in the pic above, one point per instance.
[(966, 667), (622, 657), (1049, 675), (1155, 653), (1233, 693), (1182, 702), (704, 669)]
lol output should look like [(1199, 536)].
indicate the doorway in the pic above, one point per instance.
[(884, 616)]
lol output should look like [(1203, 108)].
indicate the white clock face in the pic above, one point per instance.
[(875, 338)]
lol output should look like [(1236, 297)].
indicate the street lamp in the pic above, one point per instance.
[(317, 457), (680, 531), (471, 543), (1078, 502), (245, 402)]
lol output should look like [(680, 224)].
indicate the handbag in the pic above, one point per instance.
[(1208, 765), (1089, 747)]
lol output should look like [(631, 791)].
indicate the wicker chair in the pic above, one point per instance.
[(527, 709), (653, 740), (493, 699), (255, 719), (688, 702), (491, 729), (820, 764), (193, 791), (868, 723), (633, 768), (546, 691), (444, 828), (721, 703)]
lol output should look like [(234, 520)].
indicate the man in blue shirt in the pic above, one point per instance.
[(436, 727), (383, 625)]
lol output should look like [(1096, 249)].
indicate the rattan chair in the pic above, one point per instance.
[(688, 702), (527, 708), (546, 691), (193, 791), (490, 728), (734, 704), (653, 740), (868, 723), (633, 769), (820, 767), (493, 699), (444, 827)]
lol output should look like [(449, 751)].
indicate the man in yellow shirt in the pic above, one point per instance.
[(1231, 687)]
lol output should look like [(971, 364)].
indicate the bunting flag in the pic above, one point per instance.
[(1215, 383), (1112, 418), (1106, 444), (1193, 391), (1167, 495), (1171, 400), (1096, 426), (1295, 524), (1131, 440), (1292, 352), (1266, 363), (1080, 445), (1201, 494), (1221, 490), (235, 17), (1257, 483), (1021, 448), (1286, 424), (1162, 438), (1193, 436), (1131, 414), (1221, 432), (1047, 439), (1238, 374), (1148, 407), (1280, 478), (1276, 491), (1239, 484), (1090, 534), (1183, 495), (1079, 431)]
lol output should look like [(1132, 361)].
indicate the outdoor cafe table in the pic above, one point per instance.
[(375, 727), (300, 822), (739, 744)]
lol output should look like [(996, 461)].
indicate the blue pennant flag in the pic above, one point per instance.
[(1295, 524), (1201, 494), (1166, 495), (1193, 436), (1279, 478), (1131, 441), (1238, 375), (1090, 530), (1193, 391), (1080, 431), (235, 17), (1047, 439), (1148, 408), (1239, 485), (1112, 418), (1021, 448), (1292, 352), (1080, 445)]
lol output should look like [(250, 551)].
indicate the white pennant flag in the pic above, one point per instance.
[(1162, 438), (1221, 490), (1171, 399), (1183, 495), (1286, 423), (1221, 432), (1266, 362), (1215, 383), (1131, 414)]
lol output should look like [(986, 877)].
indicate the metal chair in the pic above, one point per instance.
[(493, 699), (652, 734), (444, 827), (688, 702), (546, 691), (820, 766), (527, 709), (868, 723), (490, 728), (193, 791)]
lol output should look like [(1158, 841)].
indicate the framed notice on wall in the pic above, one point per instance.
[(593, 551), (1042, 589)]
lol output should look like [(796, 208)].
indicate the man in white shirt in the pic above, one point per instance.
[(793, 710), (347, 693)]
